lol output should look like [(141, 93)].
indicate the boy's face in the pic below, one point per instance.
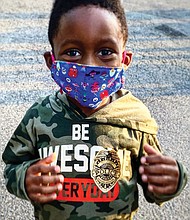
[(91, 36)]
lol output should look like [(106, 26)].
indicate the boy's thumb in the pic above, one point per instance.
[(48, 160), (150, 150)]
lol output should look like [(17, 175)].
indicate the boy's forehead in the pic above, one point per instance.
[(89, 19), (82, 11), (93, 14)]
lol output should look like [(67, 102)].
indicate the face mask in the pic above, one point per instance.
[(89, 85)]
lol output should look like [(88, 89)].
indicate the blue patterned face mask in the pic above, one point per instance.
[(89, 85)]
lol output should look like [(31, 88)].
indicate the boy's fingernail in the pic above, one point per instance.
[(57, 169), (54, 196), (60, 187), (144, 178), (54, 156), (61, 178), (150, 188), (141, 169), (143, 160)]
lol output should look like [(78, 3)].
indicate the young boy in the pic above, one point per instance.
[(99, 139)]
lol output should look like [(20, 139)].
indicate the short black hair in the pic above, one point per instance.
[(61, 7)]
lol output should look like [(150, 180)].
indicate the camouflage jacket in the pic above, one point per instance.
[(52, 124)]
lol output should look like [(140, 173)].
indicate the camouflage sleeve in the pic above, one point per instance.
[(18, 155), (150, 197)]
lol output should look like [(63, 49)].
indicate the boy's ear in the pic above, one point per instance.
[(48, 59), (127, 57)]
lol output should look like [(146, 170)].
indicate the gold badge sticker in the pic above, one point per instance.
[(106, 170)]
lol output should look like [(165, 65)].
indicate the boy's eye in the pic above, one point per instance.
[(72, 53), (105, 52)]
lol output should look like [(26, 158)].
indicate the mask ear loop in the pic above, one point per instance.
[(127, 57), (52, 57), (124, 56), (53, 61)]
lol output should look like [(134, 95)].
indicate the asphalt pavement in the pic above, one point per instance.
[(159, 36)]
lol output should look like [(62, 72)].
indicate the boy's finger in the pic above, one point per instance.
[(157, 180), (47, 160), (162, 190), (43, 166), (150, 150), (160, 159), (45, 190), (41, 198), (44, 169), (159, 169), (46, 179)]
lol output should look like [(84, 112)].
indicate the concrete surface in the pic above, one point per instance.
[(160, 76)]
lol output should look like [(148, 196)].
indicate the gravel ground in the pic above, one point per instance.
[(159, 75)]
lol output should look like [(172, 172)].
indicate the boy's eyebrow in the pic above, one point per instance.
[(70, 41), (111, 40)]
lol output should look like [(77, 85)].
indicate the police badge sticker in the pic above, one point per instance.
[(106, 169)]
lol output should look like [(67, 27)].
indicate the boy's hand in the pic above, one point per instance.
[(159, 171), (43, 181)]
